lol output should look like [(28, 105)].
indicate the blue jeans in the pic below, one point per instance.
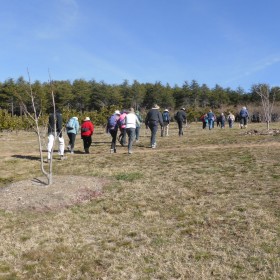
[(153, 127), (131, 135), (210, 123)]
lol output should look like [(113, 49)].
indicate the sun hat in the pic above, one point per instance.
[(155, 106), (117, 112), (184, 109), (165, 110), (87, 119)]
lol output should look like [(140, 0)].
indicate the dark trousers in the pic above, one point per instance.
[(137, 132), (153, 127), (114, 139), (122, 137), (87, 142), (72, 138), (180, 126)]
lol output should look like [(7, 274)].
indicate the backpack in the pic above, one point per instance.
[(121, 122), (165, 117), (70, 124), (111, 122)]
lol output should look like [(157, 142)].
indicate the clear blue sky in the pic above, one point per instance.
[(231, 43)]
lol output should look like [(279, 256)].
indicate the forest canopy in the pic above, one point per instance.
[(87, 96)]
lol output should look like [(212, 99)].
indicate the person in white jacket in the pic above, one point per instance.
[(131, 121)]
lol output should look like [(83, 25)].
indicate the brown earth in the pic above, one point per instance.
[(36, 195)]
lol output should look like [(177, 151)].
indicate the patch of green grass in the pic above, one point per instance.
[(132, 176)]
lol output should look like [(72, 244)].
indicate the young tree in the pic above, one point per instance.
[(267, 97), (34, 115)]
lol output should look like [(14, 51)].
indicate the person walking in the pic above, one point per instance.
[(72, 128), (55, 132), (181, 118), (231, 119), (137, 130), (131, 121), (121, 124), (222, 120), (244, 115), (153, 118), (166, 121), (211, 119), (87, 129), (112, 128)]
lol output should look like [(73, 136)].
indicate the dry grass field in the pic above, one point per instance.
[(202, 206)]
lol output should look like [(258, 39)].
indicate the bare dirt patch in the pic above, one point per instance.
[(64, 192)]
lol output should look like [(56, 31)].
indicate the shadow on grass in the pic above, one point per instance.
[(27, 157)]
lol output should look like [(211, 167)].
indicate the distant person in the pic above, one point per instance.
[(211, 119), (153, 119), (244, 116), (131, 121), (138, 126), (166, 121), (204, 119), (112, 128), (231, 119), (121, 124), (55, 132), (87, 129), (72, 128), (181, 118), (222, 120)]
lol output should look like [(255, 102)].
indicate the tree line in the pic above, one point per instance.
[(90, 96)]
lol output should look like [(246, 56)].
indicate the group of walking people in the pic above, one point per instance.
[(128, 122), (55, 127), (208, 119)]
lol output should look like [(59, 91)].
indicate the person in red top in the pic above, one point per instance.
[(87, 129)]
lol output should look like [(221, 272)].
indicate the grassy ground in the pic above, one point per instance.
[(202, 206)]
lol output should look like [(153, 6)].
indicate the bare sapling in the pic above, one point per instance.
[(33, 116), (267, 97)]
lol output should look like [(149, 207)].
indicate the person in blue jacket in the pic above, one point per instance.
[(244, 116), (72, 128)]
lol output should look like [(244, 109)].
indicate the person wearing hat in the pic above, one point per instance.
[(87, 129), (181, 118), (112, 128), (72, 128), (131, 121), (153, 118), (166, 121)]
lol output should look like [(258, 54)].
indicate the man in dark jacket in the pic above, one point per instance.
[(153, 118), (244, 115), (181, 118), (55, 131)]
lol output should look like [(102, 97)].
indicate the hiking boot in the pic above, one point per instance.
[(115, 151)]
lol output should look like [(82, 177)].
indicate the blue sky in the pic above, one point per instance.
[(231, 43)]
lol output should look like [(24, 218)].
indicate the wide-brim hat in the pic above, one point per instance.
[(155, 106), (184, 109), (117, 112), (165, 110), (87, 119)]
